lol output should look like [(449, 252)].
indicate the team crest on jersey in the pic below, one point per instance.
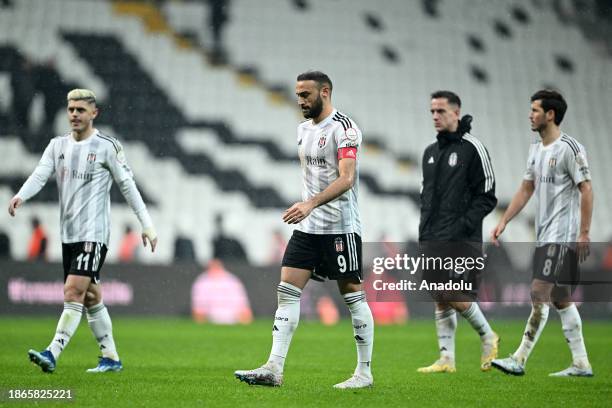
[(88, 247), (552, 162), (452, 159), (322, 141), (91, 157), (339, 244)]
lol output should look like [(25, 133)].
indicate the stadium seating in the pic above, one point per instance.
[(391, 99), (204, 139)]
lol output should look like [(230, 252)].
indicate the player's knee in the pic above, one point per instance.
[(349, 285), (460, 306), (74, 294), (538, 295), (92, 298), (442, 305), (295, 277), (561, 304)]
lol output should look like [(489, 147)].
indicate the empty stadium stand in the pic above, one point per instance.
[(204, 138)]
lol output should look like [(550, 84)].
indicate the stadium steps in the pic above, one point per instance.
[(403, 105), (150, 14), (245, 113), (126, 82), (142, 112), (403, 186)]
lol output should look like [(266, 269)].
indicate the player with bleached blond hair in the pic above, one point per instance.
[(85, 162)]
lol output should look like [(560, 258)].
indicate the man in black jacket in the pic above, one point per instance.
[(458, 192)]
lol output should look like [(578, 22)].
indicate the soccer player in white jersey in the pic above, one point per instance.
[(558, 175), (85, 161), (326, 243)]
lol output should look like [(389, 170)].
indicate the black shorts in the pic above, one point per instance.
[(84, 259), (556, 263), (331, 256), (458, 263)]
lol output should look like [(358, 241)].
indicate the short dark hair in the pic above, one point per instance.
[(319, 77), (450, 96), (551, 100)]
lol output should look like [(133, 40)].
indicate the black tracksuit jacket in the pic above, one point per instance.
[(458, 189)]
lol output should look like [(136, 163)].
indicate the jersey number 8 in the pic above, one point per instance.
[(547, 267)]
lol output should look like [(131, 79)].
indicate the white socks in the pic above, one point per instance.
[(286, 321), (572, 330), (102, 329), (99, 322), (363, 329), (66, 326), (287, 318), (535, 325), (474, 315), (446, 324)]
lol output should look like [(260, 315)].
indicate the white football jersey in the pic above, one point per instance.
[(318, 146), (556, 171), (84, 172)]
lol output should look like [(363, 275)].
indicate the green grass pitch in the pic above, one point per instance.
[(175, 363)]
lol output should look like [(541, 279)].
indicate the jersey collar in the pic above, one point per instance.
[(550, 146), (325, 121), (85, 141)]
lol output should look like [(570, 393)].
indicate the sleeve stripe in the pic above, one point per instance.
[(108, 139), (571, 144), (341, 116), (571, 140), (346, 123), (342, 122), (349, 122), (487, 167), (486, 162), (571, 147)]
